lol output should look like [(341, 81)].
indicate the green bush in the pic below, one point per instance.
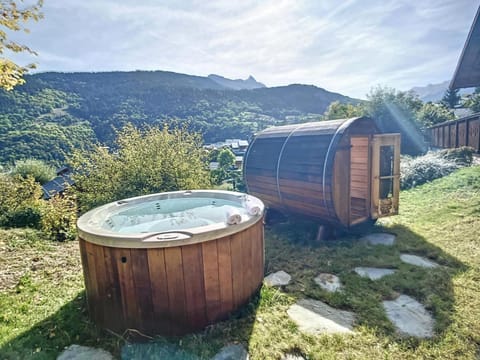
[(37, 169), (462, 156), (59, 217), (433, 165), (143, 161), (20, 201), (29, 216)]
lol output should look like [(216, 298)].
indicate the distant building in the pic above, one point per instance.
[(238, 146), (62, 181), (238, 162)]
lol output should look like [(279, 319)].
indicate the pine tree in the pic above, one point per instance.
[(451, 98)]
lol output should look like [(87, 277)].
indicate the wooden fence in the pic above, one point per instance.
[(453, 134)]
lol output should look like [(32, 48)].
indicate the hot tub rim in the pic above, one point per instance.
[(163, 239)]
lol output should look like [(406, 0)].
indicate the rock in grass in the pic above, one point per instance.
[(78, 352), (155, 351), (418, 261), (379, 239), (373, 273), (409, 317), (279, 278), (232, 352), (314, 317), (328, 282)]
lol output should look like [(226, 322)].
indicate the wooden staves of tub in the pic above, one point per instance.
[(171, 263), (339, 172)]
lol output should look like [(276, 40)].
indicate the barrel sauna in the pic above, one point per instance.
[(339, 172)]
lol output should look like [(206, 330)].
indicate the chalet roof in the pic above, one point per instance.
[(467, 73), (57, 185)]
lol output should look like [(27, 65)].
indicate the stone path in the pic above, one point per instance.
[(232, 352), (78, 352), (418, 261), (379, 239), (409, 317), (155, 351), (279, 278), (162, 351), (328, 282), (373, 273), (314, 317)]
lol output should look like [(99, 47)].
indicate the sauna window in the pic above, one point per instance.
[(386, 171)]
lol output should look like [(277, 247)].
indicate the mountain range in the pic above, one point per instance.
[(435, 92), (54, 113), (238, 84)]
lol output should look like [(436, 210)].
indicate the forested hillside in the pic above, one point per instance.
[(55, 112)]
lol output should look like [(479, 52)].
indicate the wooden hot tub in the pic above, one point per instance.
[(155, 265)]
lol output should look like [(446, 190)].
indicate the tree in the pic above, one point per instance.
[(226, 159), (20, 201), (395, 112), (38, 169), (451, 98), (142, 162), (473, 102), (13, 19), (431, 114), (338, 110)]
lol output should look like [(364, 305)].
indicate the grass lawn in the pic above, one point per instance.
[(42, 301)]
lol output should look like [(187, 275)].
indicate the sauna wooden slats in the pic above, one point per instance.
[(176, 290), (359, 178), (341, 180)]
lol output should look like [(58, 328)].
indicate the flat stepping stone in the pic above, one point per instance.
[(328, 282), (409, 317), (279, 278), (418, 261), (379, 239), (232, 352), (154, 351), (315, 317), (78, 352), (373, 273)]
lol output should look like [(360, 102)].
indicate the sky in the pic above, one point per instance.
[(345, 46)]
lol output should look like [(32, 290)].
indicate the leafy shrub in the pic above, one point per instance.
[(59, 217), (29, 216), (20, 201), (462, 156), (37, 169), (433, 165), (144, 161)]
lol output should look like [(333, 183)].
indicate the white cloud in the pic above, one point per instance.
[(346, 46)]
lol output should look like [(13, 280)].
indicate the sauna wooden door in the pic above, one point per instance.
[(385, 185), (359, 179)]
